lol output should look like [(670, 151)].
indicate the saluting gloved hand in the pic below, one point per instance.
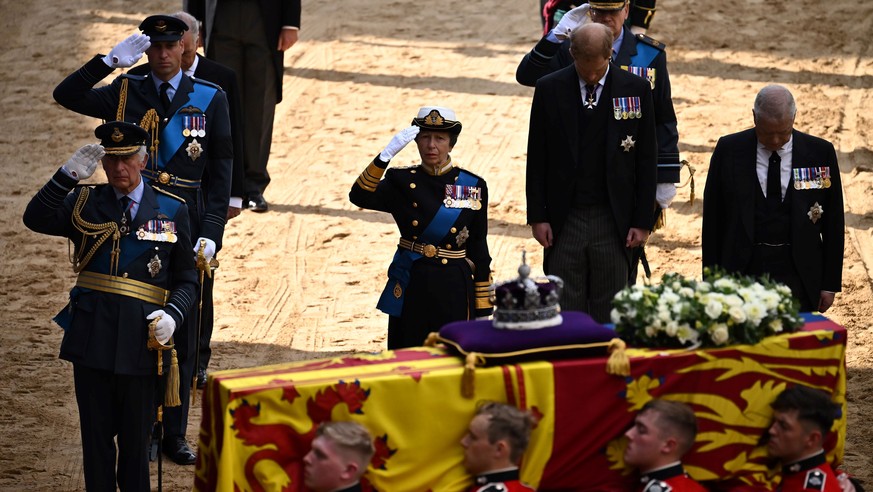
[(399, 141), (664, 194), (571, 20), (166, 326), (208, 251), (83, 162), (127, 52)]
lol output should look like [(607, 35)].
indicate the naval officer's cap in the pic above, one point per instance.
[(607, 6), (121, 138), (437, 118), (163, 28)]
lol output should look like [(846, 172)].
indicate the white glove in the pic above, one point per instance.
[(398, 142), (83, 162), (664, 194), (166, 326), (208, 251), (571, 20), (127, 52)]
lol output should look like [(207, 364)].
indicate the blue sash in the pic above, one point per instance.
[(646, 53), (399, 271), (171, 135)]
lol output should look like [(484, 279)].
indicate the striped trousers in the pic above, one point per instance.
[(590, 257)]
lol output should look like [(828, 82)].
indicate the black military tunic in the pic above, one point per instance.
[(208, 206), (106, 330), (446, 275)]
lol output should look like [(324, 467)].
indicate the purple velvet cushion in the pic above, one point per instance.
[(578, 334)]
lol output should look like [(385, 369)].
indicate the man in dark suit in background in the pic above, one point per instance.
[(773, 204), (203, 68), (591, 166), (251, 37)]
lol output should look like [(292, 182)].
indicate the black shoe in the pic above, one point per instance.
[(201, 379), (176, 448), (256, 203)]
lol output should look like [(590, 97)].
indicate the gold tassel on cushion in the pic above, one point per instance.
[(432, 339), (618, 363), (468, 380), (171, 396), (662, 220)]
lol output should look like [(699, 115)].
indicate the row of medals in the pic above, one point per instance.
[(195, 126), (804, 179), (625, 108), (463, 197)]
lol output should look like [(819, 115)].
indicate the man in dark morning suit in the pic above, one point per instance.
[(638, 54), (203, 68), (591, 166), (133, 257), (251, 38), (190, 144), (773, 204)]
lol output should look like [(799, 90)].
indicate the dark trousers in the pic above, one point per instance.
[(113, 405), (590, 257), (778, 262), (238, 41)]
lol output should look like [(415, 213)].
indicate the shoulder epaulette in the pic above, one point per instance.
[(651, 41), (165, 192), (206, 82), (133, 77)]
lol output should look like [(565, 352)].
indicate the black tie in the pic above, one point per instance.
[(126, 219), (590, 96), (774, 179), (165, 98)]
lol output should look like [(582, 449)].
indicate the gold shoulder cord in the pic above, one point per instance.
[(151, 123), (101, 232), (122, 101)]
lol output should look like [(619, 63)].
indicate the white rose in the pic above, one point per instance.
[(615, 316), (720, 334), (704, 287), (651, 331), (724, 284), (687, 292), (755, 312), (713, 309), (672, 329), (733, 300), (664, 314), (635, 295), (776, 325), (737, 314)]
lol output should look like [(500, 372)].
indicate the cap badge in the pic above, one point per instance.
[(160, 26), (434, 118), (117, 136)]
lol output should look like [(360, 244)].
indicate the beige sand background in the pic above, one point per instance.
[(302, 280)]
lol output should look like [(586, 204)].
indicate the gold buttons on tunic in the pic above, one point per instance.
[(414, 238), (413, 171), (444, 261), (124, 275), (448, 246), (414, 223), (454, 230), (412, 185), (414, 204)]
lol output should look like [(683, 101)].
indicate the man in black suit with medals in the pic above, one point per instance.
[(636, 53), (773, 204), (591, 172), (203, 68), (133, 257), (190, 145)]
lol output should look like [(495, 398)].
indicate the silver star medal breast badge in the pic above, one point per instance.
[(194, 149), (815, 212), (628, 143)]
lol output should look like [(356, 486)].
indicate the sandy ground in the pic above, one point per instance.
[(302, 280)]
